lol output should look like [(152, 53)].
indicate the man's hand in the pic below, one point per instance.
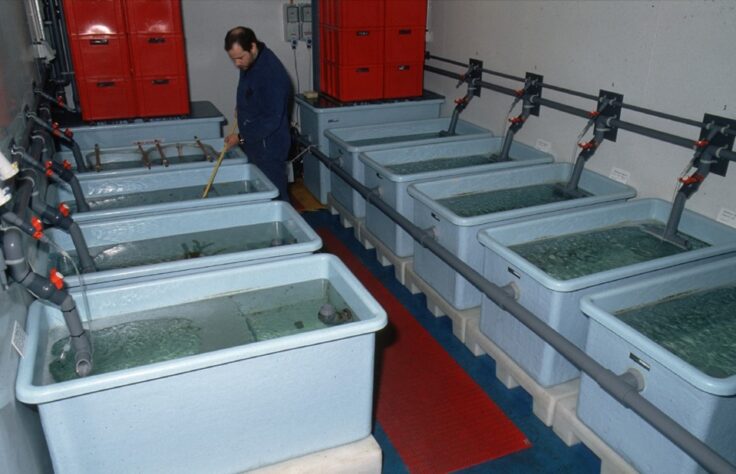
[(232, 140)]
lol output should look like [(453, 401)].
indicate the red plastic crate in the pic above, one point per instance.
[(354, 13), (160, 96), (100, 55), (403, 80), (157, 54), (94, 17), (107, 98), (406, 13), (404, 44), (354, 83), (153, 16), (355, 46)]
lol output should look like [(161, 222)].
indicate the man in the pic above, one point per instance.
[(263, 96)]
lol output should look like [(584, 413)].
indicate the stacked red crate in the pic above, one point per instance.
[(129, 57), (372, 49), (158, 57), (404, 52), (351, 36), (99, 47)]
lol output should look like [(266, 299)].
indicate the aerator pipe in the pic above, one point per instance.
[(583, 95), (610, 382), (44, 289), (631, 127)]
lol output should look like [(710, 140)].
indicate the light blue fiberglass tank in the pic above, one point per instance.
[(222, 370), (456, 208), (390, 172), (161, 189), (677, 331), (553, 261), (133, 159), (323, 113), (347, 144), (127, 247)]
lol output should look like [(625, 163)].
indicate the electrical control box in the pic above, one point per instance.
[(305, 13), (291, 13), (291, 22)]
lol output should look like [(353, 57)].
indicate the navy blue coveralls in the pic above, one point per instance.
[(264, 93)]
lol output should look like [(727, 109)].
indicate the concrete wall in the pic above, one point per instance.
[(671, 56)]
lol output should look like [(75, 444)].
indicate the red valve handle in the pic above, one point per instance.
[(49, 172), (64, 209), (461, 100), (517, 119), (519, 92), (68, 132), (36, 223), (701, 143), (59, 100), (692, 179), (591, 145), (66, 165), (55, 125), (56, 278), (593, 114)]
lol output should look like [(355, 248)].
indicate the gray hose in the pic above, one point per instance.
[(44, 289)]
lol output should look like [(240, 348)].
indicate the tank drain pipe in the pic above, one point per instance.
[(64, 171), (473, 78), (59, 172), (65, 137), (610, 382), (532, 90), (49, 289), (54, 217)]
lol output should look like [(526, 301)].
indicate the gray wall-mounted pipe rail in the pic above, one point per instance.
[(610, 382), (635, 108), (631, 127)]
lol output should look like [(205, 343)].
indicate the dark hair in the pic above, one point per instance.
[(245, 37)]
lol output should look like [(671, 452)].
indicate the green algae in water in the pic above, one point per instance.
[(146, 337), (129, 345), (698, 327), (576, 255), (437, 164), (488, 202), (181, 247), (186, 193), (397, 139)]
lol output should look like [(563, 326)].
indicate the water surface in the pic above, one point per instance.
[(141, 338), (698, 327), (575, 255)]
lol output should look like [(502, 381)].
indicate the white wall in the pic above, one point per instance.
[(212, 75), (671, 56)]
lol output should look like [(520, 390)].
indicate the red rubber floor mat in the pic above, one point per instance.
[(438, 419)]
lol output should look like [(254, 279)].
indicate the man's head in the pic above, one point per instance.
[(241, 46)]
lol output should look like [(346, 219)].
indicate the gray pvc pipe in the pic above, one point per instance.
[(631, 127), (80, 244), (69, 176), (610, 382), (44, 289), (507, 140)]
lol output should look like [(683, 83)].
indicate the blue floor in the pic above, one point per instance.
[(547, 454)]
